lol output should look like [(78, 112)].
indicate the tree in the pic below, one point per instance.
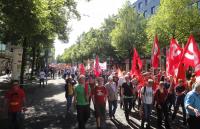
[(24, 20), (174, 18), (95, 41), (129, 32)]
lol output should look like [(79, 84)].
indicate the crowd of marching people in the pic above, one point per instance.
[(142, 94)]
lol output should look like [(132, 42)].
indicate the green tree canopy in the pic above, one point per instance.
[(174, 18)]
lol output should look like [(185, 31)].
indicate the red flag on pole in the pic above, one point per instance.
[(82, 69), (155, 54), (168, 72), (181, 73), (97, 69), (136, 64), (191, 53), (175, 53), (191, 56)]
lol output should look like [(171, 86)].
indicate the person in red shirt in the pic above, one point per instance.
[(15, 100), (161, 105), (99, 95)]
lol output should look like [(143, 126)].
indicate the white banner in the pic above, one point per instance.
[(103, 66)]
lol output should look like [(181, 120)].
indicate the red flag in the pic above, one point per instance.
[(191, 55), (181, 73), (82, 69), (136, 64), (155, 54), (175, 53), (168, 72), (97, 69)]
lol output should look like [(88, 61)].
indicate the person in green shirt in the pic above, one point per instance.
[(81, 102)]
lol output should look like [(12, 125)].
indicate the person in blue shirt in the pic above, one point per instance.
[(192, 106)]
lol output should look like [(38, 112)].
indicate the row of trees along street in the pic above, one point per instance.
[(120, 33), (35, 24)]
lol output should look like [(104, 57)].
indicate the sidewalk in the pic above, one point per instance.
[(5, 86)]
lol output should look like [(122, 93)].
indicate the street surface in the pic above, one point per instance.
[(46, 109)]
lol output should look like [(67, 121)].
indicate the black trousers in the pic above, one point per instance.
[(193, 122), (128, 105), (162, 110), (83, 113), (179, 101), (15, 120)]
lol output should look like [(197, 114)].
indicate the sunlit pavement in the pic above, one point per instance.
[(46, 109)]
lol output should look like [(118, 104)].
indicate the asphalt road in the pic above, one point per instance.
[(46, 109)]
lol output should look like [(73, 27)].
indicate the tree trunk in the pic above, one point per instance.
[(33, 61), (37, 61), (24, 45)]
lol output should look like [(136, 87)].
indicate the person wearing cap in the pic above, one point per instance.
[(192, 105), (112, 91), (180, 95), (15, 101), (147, 102), (160, 98), (127, 94)]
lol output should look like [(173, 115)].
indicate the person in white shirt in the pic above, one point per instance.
[(42, 77), (147, 102), (112, 91)]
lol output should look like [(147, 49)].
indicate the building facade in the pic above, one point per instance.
[(146, 7), (149, 7)]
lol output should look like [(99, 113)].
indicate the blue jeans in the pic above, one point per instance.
[(69, 102), (147, 114), (112, 107)]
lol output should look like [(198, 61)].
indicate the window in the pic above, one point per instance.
[(145, 13), (146, 2), (198, 4), (140, 5), (153, 9)]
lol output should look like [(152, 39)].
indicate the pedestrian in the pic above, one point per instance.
[(147, 102), (192, 105), (127, 94), (42, 78), (134, 82), (180, 95), (81, 102), (115, 78), (171, 95), (99, 95), (112, 91), (120, 82), (91, 85), (160, 98), (69, 93), (15, 101)]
